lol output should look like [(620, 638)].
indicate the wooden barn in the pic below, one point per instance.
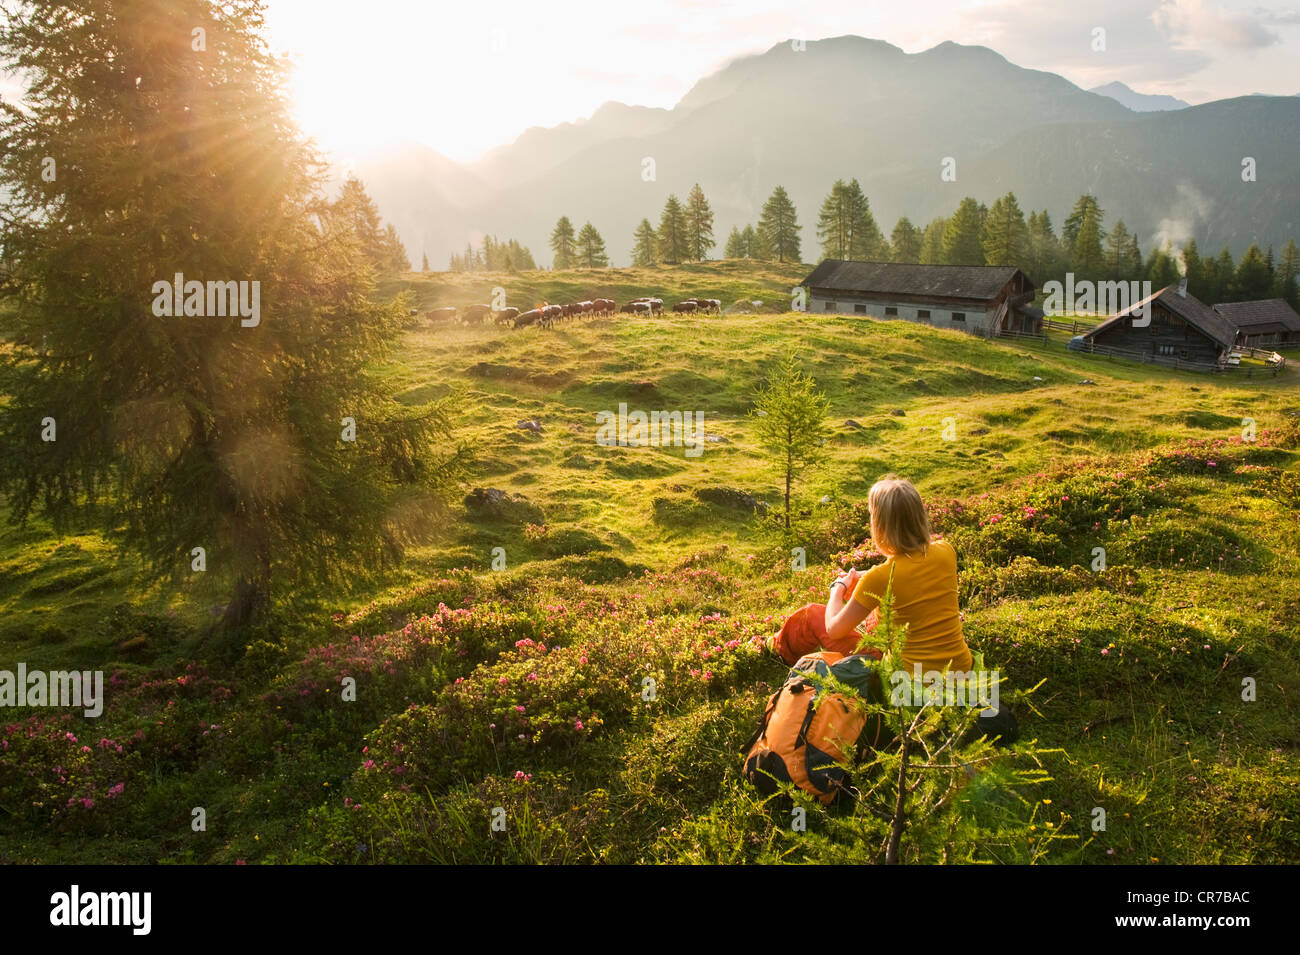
[(1178, 329), (982, 299), (1269, 323)]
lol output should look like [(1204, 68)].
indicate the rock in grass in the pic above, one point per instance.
[(494, 504), (730, 497)]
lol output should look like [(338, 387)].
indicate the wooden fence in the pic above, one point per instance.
[(1072, 327)]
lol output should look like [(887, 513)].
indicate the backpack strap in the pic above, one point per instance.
[(762, 726)]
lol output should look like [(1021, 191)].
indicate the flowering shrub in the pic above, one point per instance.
[(540, 703), (418, 600), (59, 770)]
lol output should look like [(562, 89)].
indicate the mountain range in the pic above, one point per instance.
[(851, 107)]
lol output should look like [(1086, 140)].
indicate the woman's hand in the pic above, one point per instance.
[(849, 580), (843, 613)]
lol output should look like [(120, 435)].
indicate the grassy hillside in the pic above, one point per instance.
[(735, 283), (523, 688)]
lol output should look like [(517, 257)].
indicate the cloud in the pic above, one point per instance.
[(1059, 38), (1193, 24)]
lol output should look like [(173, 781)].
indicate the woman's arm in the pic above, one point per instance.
[(843, 613)]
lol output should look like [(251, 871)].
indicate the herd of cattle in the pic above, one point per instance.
[(545, 315)]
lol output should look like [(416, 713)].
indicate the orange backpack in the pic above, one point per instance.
[(806, 731)]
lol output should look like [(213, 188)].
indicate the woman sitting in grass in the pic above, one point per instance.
[(923, 572)]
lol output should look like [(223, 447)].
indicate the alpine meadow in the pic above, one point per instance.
[(494, 487)]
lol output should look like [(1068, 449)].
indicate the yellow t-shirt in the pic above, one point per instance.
[(925, 598)]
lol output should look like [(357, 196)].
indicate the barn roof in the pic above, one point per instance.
[(1269, 312), (982, 282), (1190, 308)]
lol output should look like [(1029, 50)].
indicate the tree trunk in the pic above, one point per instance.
[(247, 606), (252, 598), (787, 498), (900, 807)]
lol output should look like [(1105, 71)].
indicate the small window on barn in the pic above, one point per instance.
[(860, 309), (923, 314), (830, 306), (891, 310), (959, 316)]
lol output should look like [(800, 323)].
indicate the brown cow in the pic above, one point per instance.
[(684, 308), (475, 314), (507, 315), (530, 317), (440, 314)]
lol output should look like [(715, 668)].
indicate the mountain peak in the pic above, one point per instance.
[(950, 49), (1138, 102)]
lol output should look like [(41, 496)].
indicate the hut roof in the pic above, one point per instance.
[(982, 282), (1188, 307)]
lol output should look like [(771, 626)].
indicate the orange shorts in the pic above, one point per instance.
[(804, 631)]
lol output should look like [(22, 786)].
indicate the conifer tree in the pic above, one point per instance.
[(962, 243), (932, 242), (1254, 275), (1082, 237), (674, 242), (1288, 274), (255, 424), (735, 247), (645, 250), (562, 244), (905, 242), (699, 225), (591, 248), (790, 422), (1006, 236), (778, 227)]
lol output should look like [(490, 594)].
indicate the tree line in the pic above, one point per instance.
[(976, 234), (684, 234), (493, 256)]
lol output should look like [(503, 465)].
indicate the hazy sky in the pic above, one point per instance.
[(466, 76)]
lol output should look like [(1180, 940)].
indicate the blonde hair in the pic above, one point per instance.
[(899, 524)]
